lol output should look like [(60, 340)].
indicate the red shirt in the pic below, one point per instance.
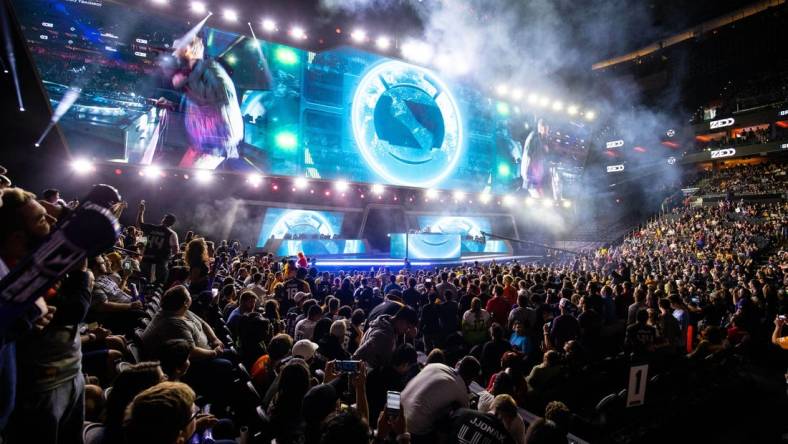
[(510, 294), (499, 309)]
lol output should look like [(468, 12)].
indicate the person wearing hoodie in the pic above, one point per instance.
[(380, 339)]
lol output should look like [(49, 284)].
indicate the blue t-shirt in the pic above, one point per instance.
[(390, 287), (520, 343), (233, 319)]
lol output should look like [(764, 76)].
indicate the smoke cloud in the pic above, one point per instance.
[(226, 219), (547, 47)]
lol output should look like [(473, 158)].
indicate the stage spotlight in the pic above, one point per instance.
[(485, 198), (547, 202), (301, 182), (160, 2), (83, 166), (572, 110), (416, 51), (558, 106), (508, 200), (383, 43), (517, 94), (459, 195), (254, 180), (203, 176), (566, 204), (341, 185), (297, 33), (199, 8), (359, 35), (529, 201), (378, 189), (590, 115), (544, 101), (533, 98), (269, 25), (502, 89), (152, 172), (230, 15)]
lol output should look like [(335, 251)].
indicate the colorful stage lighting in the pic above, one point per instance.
[(297, 33), (301, 182), (254, 180), (230, 15), (269, 25), (83, 166), (383, 43), (203, 176), (359, 36), (199, 8), (152, 172)]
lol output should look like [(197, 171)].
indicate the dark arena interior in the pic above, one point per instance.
[(393, 221)]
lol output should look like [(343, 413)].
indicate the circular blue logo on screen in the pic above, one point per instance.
[(406, 125), (457, 225), (301, 222)]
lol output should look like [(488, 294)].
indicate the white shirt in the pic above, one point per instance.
[(304, 329), (175, 246), (429, 396)]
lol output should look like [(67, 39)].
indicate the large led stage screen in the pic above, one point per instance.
[(463, 225), (152, 92), (283, 223)]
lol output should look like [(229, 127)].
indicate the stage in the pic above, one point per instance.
[(347, 263)]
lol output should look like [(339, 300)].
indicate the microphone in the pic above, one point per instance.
[(87, 231)]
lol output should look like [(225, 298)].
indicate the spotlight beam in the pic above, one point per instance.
[(62, 108), (189, 36), (262, 63), (9, 49)]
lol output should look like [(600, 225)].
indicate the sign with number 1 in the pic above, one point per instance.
[(636, 390)]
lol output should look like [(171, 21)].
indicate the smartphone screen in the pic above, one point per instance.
[(392, 403), (347, 366)]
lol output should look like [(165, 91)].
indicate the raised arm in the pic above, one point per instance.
[(141, 214)]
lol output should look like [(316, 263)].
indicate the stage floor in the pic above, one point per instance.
[(385, 261)]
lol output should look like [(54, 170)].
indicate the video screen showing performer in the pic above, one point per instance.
[(551, 158), (212, 114), (536, 169)]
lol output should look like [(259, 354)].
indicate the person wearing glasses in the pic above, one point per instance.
[(165, 414)]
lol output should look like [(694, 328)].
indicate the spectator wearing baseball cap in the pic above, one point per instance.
[(305, 349)]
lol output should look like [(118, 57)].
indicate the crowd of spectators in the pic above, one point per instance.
[(165, 341), (765, 178)]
